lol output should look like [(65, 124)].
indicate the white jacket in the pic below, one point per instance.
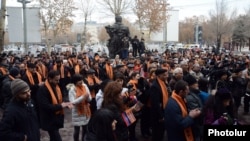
[(78, 120)]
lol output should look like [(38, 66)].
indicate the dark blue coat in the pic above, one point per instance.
[(18, 120), (174, 122)]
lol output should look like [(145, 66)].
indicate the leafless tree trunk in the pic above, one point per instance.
[(56, 17), (221, 23), (116, 7), (86, 7), (2, 24)]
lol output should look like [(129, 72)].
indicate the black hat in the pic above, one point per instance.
[(119, 66), (58, 61), (160, 71), (90, 71), (190, 79), (14, 71), (31, 65)]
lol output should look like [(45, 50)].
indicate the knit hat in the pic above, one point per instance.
[(14, 71), (190, 79), (18, 86)]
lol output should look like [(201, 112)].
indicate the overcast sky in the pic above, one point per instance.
[(187, 8)]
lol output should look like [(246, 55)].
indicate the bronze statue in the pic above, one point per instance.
[(119, 38)]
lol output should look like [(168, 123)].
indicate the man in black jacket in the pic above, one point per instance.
[(135, 44), (6, 89), (19, 122), (51, 106), (158, 97)]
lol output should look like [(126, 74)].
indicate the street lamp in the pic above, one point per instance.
[(24, 2)]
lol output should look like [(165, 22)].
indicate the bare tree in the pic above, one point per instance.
[(86, 7), (116, 7), (56, 17), (2, 24), (132, 28), (151, 14), (103, 35), (221, 23), (247, 23), (187, 30)]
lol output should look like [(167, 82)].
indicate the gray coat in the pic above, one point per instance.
[(78, 120)]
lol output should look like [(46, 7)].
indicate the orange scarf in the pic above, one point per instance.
[(83, 107), (109, 71), (187, 131), (3, 71), (91, 80), (42, 70), (53, 97), (61, 70), (77, 69), (30, 77), (11, 77), (164, 92)]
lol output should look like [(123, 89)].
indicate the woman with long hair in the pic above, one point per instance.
[(101, 126), (113, 101), (219, 109)]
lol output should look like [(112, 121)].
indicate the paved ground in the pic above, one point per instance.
[(67, 131)]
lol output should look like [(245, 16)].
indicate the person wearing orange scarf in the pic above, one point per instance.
[(109, 69), (93, 84), (6, 89), (42, 69), (34, 79), (64, 76), (178, 120), (159, 97), (51, 106), (79, 95), (134, 80)]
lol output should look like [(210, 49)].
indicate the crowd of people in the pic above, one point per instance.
[(171, 94)]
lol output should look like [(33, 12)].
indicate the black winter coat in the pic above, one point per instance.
[(49, 120), (6, 92), (19, 119)]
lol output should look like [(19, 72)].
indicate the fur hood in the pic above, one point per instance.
[(70, 86)]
